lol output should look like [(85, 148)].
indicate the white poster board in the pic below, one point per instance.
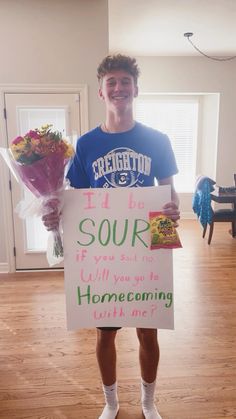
[(112, 277)]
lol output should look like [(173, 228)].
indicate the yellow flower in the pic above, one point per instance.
[(46, 126), (44, 129), (19, 146), (70, 151)]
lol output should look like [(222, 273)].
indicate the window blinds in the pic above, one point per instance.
[(178, 118)]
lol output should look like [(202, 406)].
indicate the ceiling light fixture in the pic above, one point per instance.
[(188, 36)]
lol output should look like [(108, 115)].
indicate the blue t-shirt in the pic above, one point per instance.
[(126, 159)]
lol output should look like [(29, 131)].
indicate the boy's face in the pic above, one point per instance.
[(118, 90)]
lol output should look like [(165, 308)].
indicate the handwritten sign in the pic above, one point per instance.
[(112, 278)]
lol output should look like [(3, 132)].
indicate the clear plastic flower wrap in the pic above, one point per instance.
[(38, 160)]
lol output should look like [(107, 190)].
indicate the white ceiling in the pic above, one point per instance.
[(156, 27)]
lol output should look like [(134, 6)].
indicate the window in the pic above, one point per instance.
[(176, 116)]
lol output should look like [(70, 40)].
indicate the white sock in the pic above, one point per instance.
[(112, 406), (148, 406)]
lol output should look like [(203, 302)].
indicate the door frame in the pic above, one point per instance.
[(5, 192)]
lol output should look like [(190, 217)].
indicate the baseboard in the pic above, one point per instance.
[(4, 268)]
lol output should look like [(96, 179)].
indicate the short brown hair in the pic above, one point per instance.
[(118, 62)]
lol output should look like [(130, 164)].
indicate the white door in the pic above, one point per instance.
[(25, 112)]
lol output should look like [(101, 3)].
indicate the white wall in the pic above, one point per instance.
[(52, 42), (201, 75), (208, 138), (59, 41)]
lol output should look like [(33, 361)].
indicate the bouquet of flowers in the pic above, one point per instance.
[(39, 159)]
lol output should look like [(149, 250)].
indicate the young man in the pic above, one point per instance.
[(124, 153)]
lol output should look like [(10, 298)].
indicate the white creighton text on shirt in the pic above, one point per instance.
[(119, 160)]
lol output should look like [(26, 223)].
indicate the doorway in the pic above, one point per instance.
[(25, 111)]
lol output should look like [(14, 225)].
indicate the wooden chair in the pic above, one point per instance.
[(224, 215)]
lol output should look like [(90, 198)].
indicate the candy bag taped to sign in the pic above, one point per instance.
[(163, 232)]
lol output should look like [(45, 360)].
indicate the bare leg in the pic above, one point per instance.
[(106, 356), (149, 359), (148, 354)]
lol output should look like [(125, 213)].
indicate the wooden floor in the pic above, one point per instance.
[(49, 373)]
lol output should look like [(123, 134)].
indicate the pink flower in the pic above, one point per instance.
[(32, 134), (17, 140)]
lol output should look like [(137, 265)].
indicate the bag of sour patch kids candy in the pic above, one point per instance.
[(163, 232)]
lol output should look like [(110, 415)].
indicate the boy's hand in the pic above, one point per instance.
[(171, 210), (51, 218)]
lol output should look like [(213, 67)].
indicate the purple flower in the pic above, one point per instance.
[(17, 140)]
